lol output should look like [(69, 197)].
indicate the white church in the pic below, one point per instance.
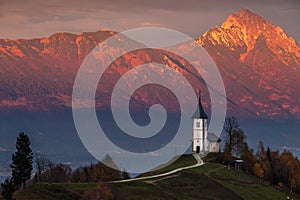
[(203, 141)]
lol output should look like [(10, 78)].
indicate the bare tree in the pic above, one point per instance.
[(230, 126), (41, 165)]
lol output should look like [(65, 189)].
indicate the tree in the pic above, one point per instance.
[(101, 191), (275, 167), (22, 160), (289, 170), (261, 153), (238, 141), (125, 175), (230, 125), (248, 157), (60, 173), (258, 171), (263, 157), (110, 168), (97, 172), (42, 164), (227, 154), (269, 154), (7, 189), (294, 182)]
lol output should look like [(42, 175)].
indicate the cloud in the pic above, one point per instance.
[(4, 149)]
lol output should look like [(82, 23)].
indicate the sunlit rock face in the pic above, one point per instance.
[(259, 63)]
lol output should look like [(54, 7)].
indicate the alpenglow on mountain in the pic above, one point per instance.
[(259, 63)]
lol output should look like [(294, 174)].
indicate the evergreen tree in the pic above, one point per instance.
[(125, 175), (22, 161), (7, 189)]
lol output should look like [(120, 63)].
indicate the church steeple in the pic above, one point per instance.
[(200, 114), (200, 129)]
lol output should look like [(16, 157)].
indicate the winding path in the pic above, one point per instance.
[(196, 156)]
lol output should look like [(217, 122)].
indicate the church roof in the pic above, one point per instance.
[(211, 137), (200, 114)]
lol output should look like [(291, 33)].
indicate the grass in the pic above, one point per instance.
[(189, 184), (182, 161), (45, 191), (213, 157), (246, 186), (185, 185), (136, 190), (54, 191), (209, 181), (79, 187)]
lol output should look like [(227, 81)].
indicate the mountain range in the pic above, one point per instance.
[(258, 61)]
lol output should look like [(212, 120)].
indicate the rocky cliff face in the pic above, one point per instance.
[(259, 63)]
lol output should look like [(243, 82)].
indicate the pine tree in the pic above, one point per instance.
[(22, 160), (125, 175), (7, 189)]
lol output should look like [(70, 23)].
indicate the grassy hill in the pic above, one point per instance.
[(54, 191), (209, 181), (182, 161)]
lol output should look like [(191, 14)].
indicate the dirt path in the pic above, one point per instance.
[(196, 156)]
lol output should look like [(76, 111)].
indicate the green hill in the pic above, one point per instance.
[(209, 181)]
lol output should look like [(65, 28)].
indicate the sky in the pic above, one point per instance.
[(35, 18)]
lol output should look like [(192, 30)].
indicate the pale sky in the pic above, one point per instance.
[(38, 18)]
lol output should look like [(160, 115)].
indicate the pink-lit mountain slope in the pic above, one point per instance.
[(259, 63)]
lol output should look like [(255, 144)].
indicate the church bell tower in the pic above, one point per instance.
[(200, 129)]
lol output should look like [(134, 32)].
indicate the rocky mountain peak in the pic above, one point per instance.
[(258, 61), (245, 27)]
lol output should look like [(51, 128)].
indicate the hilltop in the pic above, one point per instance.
[(209, 181)]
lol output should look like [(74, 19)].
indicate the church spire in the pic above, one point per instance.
[(200, 114)]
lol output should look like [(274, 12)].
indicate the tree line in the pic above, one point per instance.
[(46, 171), (24, 162), (281, 169)]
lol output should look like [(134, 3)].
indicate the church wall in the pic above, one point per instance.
[(214, 147)]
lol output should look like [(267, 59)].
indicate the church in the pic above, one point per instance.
[(203, 141)]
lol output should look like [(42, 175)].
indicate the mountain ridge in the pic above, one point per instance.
[(258, 61)]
